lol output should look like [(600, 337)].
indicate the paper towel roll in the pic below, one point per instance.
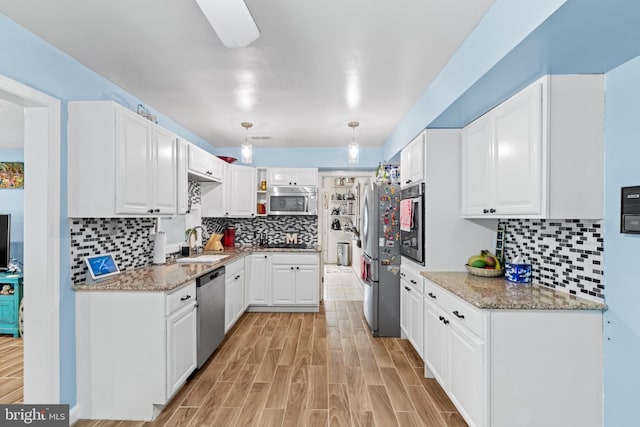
[(159, 247)]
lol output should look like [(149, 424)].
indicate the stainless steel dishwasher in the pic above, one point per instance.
[(210, 313)]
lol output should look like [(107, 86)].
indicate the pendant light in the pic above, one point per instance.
[(354, 147), (246, 147)]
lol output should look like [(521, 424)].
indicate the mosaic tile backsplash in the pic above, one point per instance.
[(565, 254), (249, 229), (130, 243)]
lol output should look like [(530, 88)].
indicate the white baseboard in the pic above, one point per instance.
[(74, 415)]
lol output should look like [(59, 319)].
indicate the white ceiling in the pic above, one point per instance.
[(315, 66), (11, 125)]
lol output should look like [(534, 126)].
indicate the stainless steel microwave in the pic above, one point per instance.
[(292, 200)]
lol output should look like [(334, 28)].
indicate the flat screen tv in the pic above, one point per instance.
[(5, 239)]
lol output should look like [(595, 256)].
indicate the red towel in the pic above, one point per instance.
[(363, 267), (406, 214)]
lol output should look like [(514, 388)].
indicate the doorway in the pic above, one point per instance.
[(41, 255)]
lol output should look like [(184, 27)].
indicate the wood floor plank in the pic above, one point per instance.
[(357, 389), (320, 328), (383, 412), (408, 419), (295, 408), (17, 396), (243, 381), (453, 419), (319, 352), (211, 406), (381, 354), (370, 368), (411, 354), (350, 352), (288, 353), (182, 417), (279, 388), (318, 390), (391, 344), (407, 373), (259, 350), (397, 393), (301, 363), (294, 328), (9, 385), (437, 395), (226, 417), (335, 362), (268, 366), (271, 417), (333, 338), (316, 418), (339, 414), (425, 408), (306, 338), (362, 419), (252, 409), (277, 341)]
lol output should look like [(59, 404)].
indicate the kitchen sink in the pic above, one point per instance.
[(201, 258)]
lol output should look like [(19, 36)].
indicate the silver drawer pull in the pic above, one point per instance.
[(458, 315), (185, 298)]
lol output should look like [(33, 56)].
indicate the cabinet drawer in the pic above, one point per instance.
[(455, 308), (295, 259), (413, 278), (181, 297), (233, 268)]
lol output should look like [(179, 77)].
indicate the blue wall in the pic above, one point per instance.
[(622, 287), (30, 60), (12, 202)]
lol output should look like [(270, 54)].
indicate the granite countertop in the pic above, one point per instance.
[(170, 276), (499, 294)]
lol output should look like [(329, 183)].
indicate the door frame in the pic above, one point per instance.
[(42, 139)]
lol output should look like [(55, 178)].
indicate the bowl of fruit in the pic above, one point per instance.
[(485, 265)]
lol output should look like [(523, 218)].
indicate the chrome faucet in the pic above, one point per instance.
[(193, 232)]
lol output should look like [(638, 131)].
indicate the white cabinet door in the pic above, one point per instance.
[(200, 162), (133, 167), (164, 164), (292, 176), (417, 159), (306, 289), (258, 279), (415, 316), (404, 307), (283, 284), (477, 167), (518, 154), (242, 203), (181, 348), (305, 177), (234, 299), (466, 373), (436, 344), (215, 196)]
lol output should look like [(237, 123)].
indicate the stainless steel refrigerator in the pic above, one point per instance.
[(380, 231)]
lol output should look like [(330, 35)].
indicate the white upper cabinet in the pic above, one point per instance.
[(119, 163), (412, 161), (292, 176), (204, 166), (182, 181), (235, 197), (538, 154)]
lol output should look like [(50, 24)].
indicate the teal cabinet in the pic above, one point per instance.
[(10, 304)]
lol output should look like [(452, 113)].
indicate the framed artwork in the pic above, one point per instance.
[(11, 175)]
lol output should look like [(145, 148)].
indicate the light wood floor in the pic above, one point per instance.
[(294, 369), (11, 371)]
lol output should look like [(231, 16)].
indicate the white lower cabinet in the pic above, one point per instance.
[(496, 364), (181, 338), (259, 279), (411, 312), (234, 293), (135, 349), (284, 282)]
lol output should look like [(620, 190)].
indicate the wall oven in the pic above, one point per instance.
[(412, 223), (292, 200)]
